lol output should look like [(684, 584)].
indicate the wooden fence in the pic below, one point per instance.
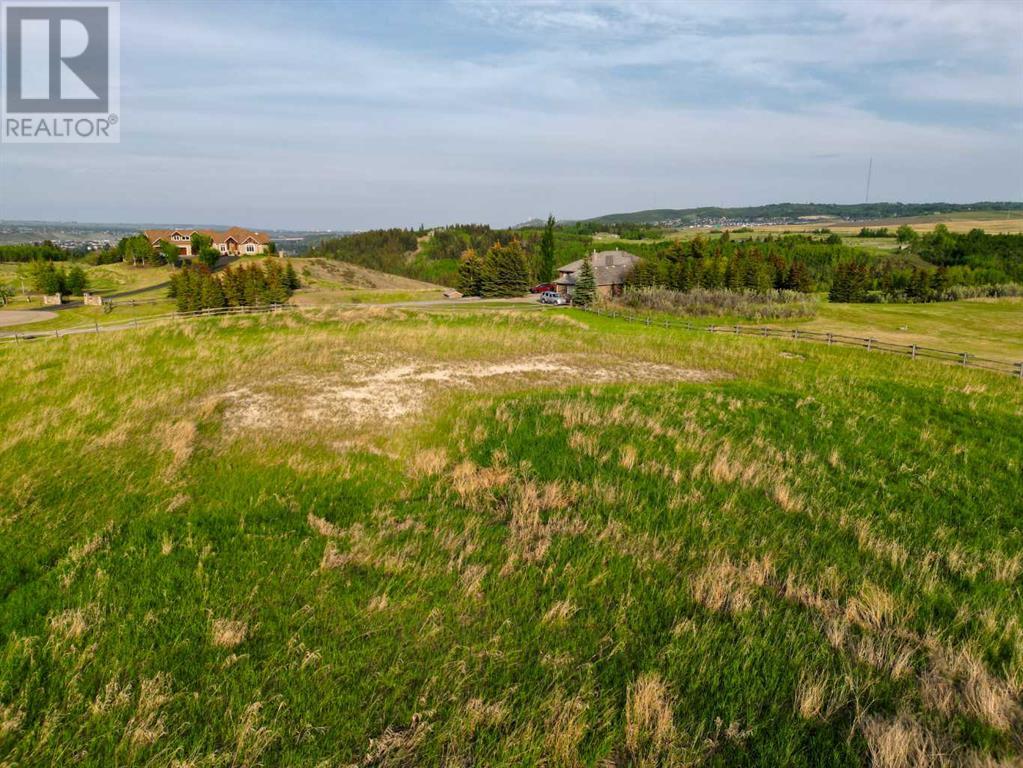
[(912, 351), (120, 325), (97, 327)]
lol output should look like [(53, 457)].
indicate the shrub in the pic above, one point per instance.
[(752, 305)]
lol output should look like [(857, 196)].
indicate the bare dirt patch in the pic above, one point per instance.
[(367, 392)]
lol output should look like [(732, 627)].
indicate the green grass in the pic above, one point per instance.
[(212, 553), (75, 317), (985, 327)]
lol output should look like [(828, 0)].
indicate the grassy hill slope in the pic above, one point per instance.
[(396, 538)]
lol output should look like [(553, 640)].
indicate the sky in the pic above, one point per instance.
[(317, 115)]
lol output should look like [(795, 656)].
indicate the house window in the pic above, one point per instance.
[(250, 249)]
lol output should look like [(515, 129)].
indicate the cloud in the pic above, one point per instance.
[(299, 116)]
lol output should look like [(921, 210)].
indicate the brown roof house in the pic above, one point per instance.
[(610, 268), (233, 241)]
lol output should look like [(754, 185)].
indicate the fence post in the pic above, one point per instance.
[(869, 343), (56, 333), (829, 339), (136, 322), (736, 330), (17, 340), (912, 352), (1020, 371), (764, 332), (96, 323), (689, 325), (965, 357)]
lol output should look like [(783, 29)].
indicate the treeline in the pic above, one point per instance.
[(44, 251), (973, 258), (46, 277), (793, 262), (438, 257), (791, 211), (244, 285), (501, 271), (385, 250), (856, 281)]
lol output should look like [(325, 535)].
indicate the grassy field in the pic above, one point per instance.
[(384, 537), (327, 282), (985, 327), (324, 283)]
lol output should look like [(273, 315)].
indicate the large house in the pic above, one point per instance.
[(610, 268), (235, 241)]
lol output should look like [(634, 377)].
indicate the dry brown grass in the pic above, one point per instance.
[(178, 438), (428, 462), (900, 742), (324, 527), (722, 586), (396, 747), (565, 728), (147, 724), (228, 633), (649, 721), (559, 613), (252, 736), (817, 697), (73, 623), (11, 719)]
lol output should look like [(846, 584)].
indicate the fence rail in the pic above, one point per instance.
[(97, 327), (19, 336), (913, 351)]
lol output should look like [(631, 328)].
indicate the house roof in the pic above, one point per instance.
[(609, 268), (238, 234)]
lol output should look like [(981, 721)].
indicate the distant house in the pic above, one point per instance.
[(235, 241), (610, 268)]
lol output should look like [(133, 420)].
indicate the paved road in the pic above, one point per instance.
[(22, 316)]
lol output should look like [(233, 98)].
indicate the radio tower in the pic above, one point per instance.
[(870, 167)]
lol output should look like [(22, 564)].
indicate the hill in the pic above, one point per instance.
[(504, 538), (793, 212)]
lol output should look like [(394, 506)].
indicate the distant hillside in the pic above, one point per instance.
[(789, 212)]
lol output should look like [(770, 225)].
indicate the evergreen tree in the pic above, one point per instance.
[(504, 271), (212, 294), (798, 278), (168, 253), (208, 256), (919, 285), (939, 284), (545, 270), (585, 285), (470, 274), (291, 277), (76, 281), (200, 242)]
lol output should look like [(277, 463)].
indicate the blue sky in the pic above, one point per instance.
[(358, 115)]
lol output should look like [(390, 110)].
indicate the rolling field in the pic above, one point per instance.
[(985, 327), (384, 537), (330, 282)]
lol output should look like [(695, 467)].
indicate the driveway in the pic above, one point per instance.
[(22, 316)]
